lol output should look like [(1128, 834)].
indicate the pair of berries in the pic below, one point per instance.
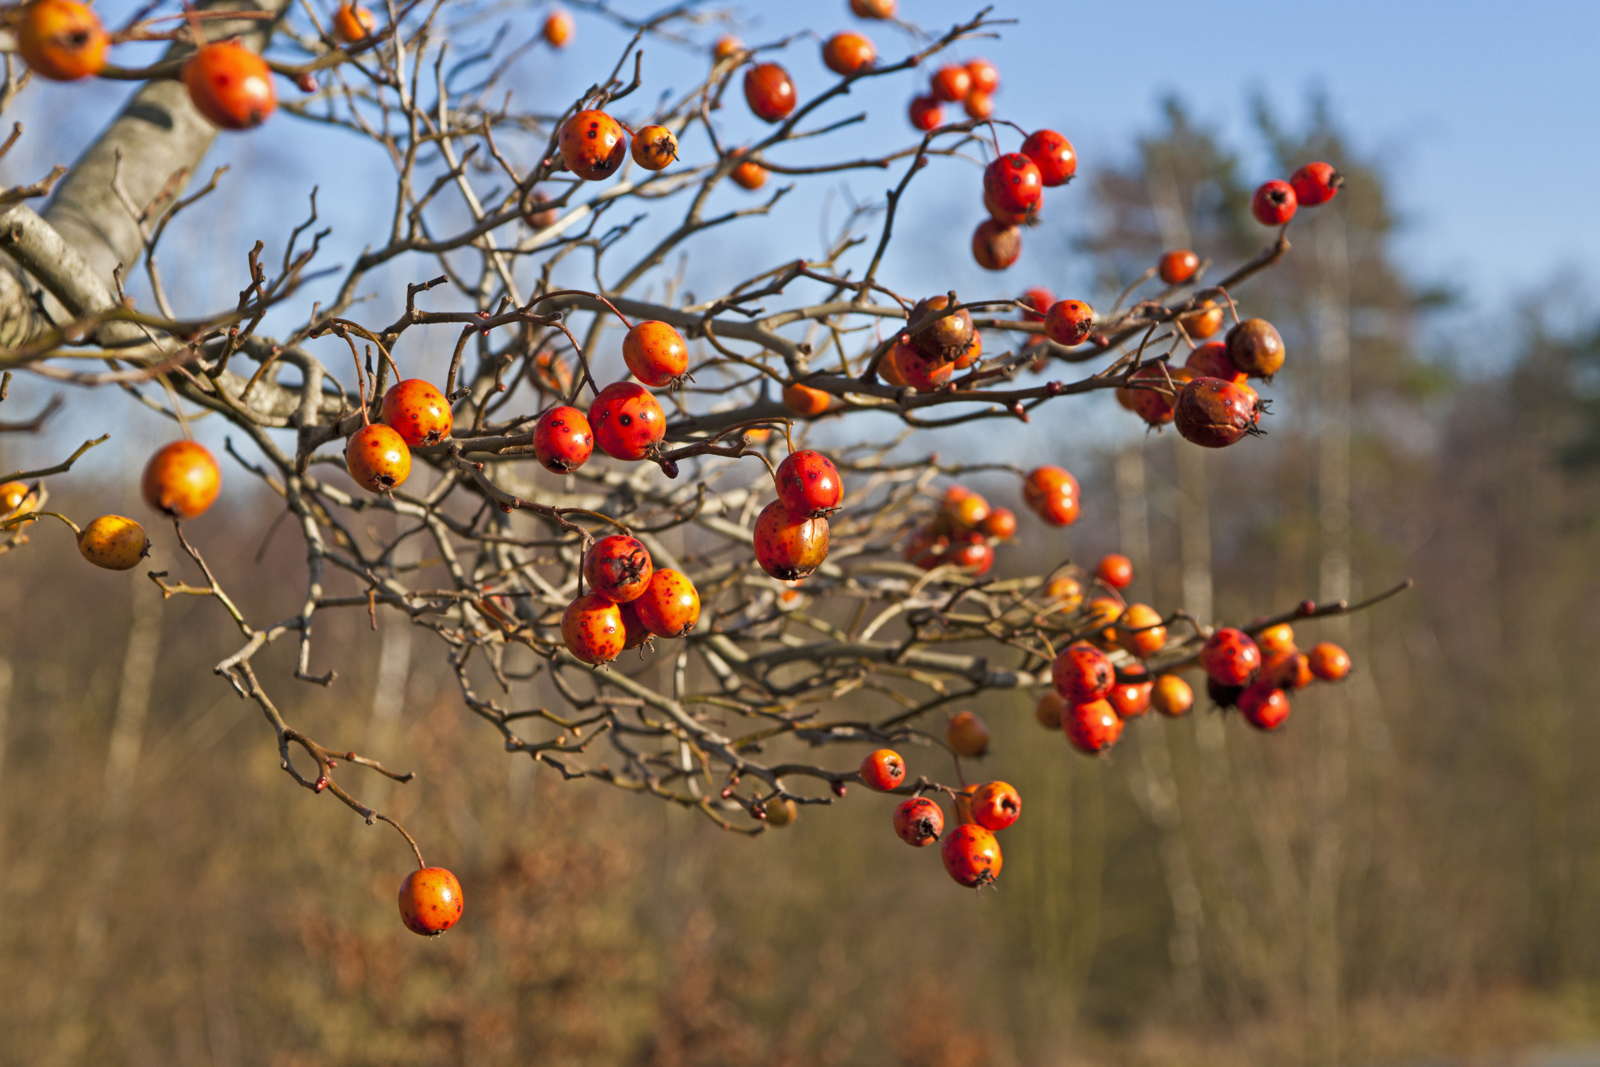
[(628, 601), (938, 342), (625, 420), (593, 145), (1052, 494), (1275, 203), (415, 414), (1014, 183), (791, 533)]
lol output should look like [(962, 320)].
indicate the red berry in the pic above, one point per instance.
[(1264, 705), (967, 735), (1204, 321), (1140, 630), (809, 483), (1286, 670), (1230, 657), (1214, 413), (1274, 203), (1001, 524), (230, 85), (918, 821), (1256, 348), (1115, 570), (1082, 673), (848, 53), (978, 105), (618, 568), (923, 373), (1006, 216), (417, 411), (1328, 661), (670, 606), (996, 805), (377, 458), (562, 439), (1053, 154), (1014, 183), (655, 353), (1315, 183), (1211, 360), (769, 91), (592, 629), (593, 145), (1091, 727), (951, 83), (1178, 266), (634, 631), (627, 420), (1069, 322), (430, 901), (1130, 697), (1038, 300), (883, 770), (995, 245), (1052, 493), (971, 855), (789, 545), (926, 114), (985, 77), (1155, 406)]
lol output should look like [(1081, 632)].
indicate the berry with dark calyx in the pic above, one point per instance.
[(996, 805), (1091, 727), (1256, 348), (918, 821), (971, 855), (1130, 697), (1014, 183), (592, 629), (377, 458), (1213, 413), (971, 354), (925, 113), (967, 734), (62, 40), (430, 901), (230, 85), (114, 542), (417, 411), (1178, 266), (670, 606), (593, 145), (1053, 154), (627, 420), (996, 246), (1172, 696), (181, 480), (1069, 322), (1082, 673), (1115, 570), (789, 545), (1274, 203), (1264, 705), (655, 147), (940, 334), (1230, 656), (809, 483), (883, 770), (655, 353), (1315, 183), (848, 53), (770, 92), (951, 83), (1328, 661), (1211, 360), (618, 567), (562, 439)]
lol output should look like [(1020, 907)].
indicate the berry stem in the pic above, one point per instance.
[(401, 830)]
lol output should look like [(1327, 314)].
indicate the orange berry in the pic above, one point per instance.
[(430, 901), (377, 458), (182, 479), (62, 40), (230, 85), (354, 22)]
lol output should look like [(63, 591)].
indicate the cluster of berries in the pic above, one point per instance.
[(970, 852)]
